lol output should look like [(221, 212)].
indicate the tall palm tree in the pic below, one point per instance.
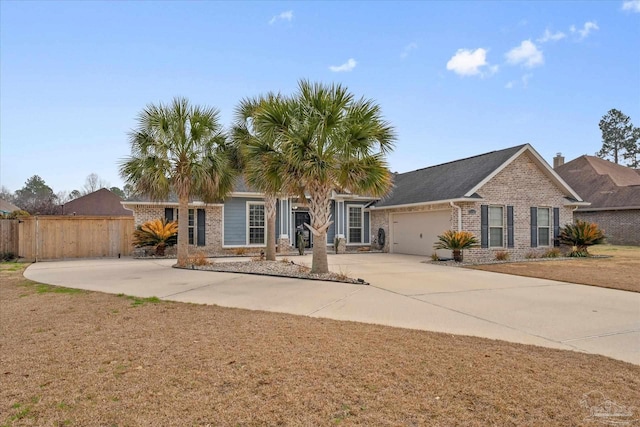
[(330, 141), (179, 148), (261, 157)]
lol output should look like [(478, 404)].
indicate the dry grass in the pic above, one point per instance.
[(620, 271), (90, 359)]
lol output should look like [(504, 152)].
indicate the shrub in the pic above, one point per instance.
[(456, 241), (552, 253), (435, 257), (198, 259), (7, 256), (336, 243), (531, 255), (580, 236), (15, 214), (240, 251), (158, 233), (502, 256)]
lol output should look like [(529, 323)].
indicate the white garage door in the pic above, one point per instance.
[(415, 233)]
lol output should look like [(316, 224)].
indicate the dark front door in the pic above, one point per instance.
[(300, 219)]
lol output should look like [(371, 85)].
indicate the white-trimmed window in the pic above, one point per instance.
[(496, 226), (355, 224), (256, 224), (544, 226)]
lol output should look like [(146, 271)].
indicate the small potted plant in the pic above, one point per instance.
[(456, 241)]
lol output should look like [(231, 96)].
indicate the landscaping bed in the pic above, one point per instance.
[(81, 358), (613, 267)]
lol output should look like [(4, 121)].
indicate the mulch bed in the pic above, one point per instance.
[(91, 359)]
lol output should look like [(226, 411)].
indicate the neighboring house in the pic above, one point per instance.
[(7, 208), (101, 202), (511, 199), (614, 193), (239, 221)]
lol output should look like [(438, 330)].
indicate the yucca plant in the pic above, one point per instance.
[(456, 241), (158, 233), (580, 236)]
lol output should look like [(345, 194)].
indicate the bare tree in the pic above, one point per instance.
[(93, 183)]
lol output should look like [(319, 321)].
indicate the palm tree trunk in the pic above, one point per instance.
[(183, 230), (320, 213), (270, 211)]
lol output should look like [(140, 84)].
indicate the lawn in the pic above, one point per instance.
[(618, 271), (91, 359)]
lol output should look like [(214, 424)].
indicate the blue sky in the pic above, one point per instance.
[(456, 79)]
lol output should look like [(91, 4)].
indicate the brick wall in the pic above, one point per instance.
[(620, 227), (213, 229), (521, 185)]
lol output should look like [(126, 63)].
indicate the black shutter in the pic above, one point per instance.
[(509, 226), (168, 214), (534, 227), (201, 227), (556, 227), (484, 226)]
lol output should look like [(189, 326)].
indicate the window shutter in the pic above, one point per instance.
[(510, 227), (168, 214), (201, 227), (534, 227), (484, 226), (556, 227)]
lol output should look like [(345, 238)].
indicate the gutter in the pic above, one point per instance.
[(435, 202), (459, 215)]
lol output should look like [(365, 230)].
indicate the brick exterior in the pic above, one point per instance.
[(213, 228), (621, 227), (522, 185)]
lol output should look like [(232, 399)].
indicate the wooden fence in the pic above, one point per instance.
[(62, 237), (9, 236)]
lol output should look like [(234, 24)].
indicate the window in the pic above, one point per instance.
[(544, 226), (192, 223), (496, 226), (256, 224), (355, 224)]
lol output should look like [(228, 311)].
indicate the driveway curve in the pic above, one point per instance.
[(403, 292)]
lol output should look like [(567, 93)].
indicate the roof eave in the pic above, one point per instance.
[(434, 202)]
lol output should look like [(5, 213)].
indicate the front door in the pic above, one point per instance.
[(300, 218)]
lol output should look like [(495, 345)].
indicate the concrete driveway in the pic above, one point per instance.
[(403, 292)]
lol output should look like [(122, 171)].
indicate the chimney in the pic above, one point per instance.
[(558, 160)]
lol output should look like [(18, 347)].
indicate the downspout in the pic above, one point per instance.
[(453, 205)]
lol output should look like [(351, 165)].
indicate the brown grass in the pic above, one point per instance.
[(93, 359), (620, 271)]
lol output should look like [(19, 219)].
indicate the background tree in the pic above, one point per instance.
[(118, 192), (37, 198), (6, 194), (93, 183), (261, 158), (330, 141), (619, 137), (181, 149), (632, 155)]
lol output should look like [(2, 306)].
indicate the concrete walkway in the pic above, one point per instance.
[(403, 292)]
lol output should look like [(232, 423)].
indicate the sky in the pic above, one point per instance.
[(455, 79)]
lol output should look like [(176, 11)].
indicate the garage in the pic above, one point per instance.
[(415, 233)]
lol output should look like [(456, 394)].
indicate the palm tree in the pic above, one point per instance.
[(181, 149), (329, 141), (262, 160)]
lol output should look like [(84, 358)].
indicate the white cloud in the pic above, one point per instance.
[(408, 48), (347, 66), (284, 16), (467, 62), (631, 5), (509, 85), (525, 80), (586, 29), (527, 55), (548, 36)]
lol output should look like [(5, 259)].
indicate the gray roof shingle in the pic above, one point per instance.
[(445, 181)]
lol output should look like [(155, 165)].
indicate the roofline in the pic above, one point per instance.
[(434, 202), (126, 203), (576, 203), (612, 208), (540, 161)]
